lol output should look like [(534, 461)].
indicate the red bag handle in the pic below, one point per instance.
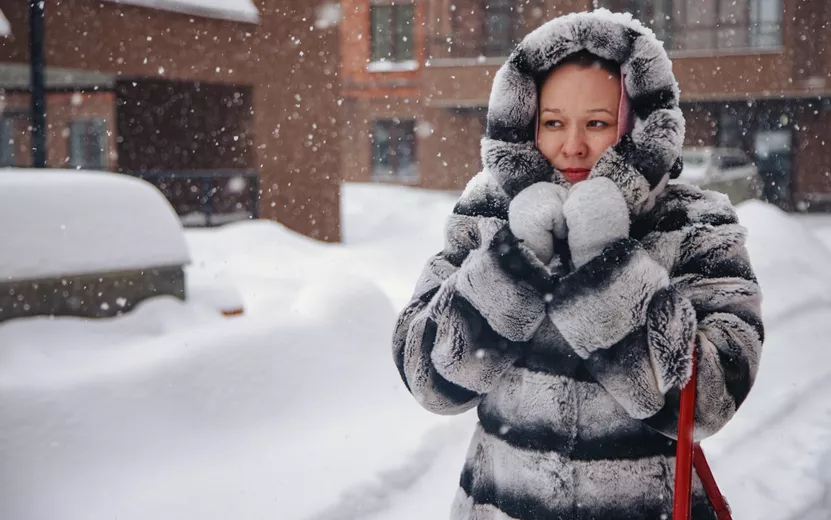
[(689, 454)]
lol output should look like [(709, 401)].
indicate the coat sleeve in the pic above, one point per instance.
[(714, 288), (636, 312), (467, 320)]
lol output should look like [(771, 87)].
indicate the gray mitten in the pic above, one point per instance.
[(535, 216), (597, 216)]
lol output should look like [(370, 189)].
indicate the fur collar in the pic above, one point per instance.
[(643, 161)]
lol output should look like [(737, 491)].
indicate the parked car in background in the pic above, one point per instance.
[(126, 244), (727, 170)]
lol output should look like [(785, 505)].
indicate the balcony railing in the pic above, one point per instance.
[(206, 198), (721, 36)]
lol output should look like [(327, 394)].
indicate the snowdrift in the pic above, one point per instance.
[(295, 410)]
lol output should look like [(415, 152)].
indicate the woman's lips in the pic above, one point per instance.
[(573, 175)]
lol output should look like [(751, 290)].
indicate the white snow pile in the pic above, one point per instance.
[(295, 410), (233, 10), (68, 222), (392, 66), (5, 26)]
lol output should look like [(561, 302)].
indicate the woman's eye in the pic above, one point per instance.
[(553, 123), (598, 124)]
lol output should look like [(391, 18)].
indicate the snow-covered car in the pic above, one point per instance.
[(91, 244), (727, 170)]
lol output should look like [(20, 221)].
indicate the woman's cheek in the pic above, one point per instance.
[(547, 147), (603, 142)]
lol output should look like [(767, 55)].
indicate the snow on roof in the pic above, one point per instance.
[(67, 222), (234, 10), (5, 27)]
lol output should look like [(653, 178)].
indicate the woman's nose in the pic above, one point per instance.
[(575, 144)]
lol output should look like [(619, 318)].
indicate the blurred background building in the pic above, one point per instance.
[(261, 108), (231, 108), (755, 79)]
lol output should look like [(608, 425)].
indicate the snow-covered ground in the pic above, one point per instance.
[(295, 410)]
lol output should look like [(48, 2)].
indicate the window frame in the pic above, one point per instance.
[(8, 140), (92, 127), (503, 47), (677, 31), (472, 40), (754, 21), (399, 35), (397, 131)]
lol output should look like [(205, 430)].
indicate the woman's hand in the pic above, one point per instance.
[(535, 216), (596, 215)]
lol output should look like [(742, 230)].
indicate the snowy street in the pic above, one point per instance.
[(295, 410)]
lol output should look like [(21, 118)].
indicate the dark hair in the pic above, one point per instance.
[(583, 59)]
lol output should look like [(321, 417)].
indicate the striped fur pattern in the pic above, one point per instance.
[(575, 367)]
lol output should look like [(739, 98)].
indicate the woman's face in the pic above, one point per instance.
[(578, 118)]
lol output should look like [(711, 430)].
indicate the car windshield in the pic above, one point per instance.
[(694, 158), (695, 165)]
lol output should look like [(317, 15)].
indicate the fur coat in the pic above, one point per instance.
[(575, 357)]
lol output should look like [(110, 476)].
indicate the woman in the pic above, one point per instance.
[(575, 285)]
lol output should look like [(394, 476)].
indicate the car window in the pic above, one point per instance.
[(730, 161), (694, 158)]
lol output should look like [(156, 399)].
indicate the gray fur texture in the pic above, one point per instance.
[(575, 363)]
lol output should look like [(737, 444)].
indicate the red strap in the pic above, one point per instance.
[(709, 483), (681, 504), (688, 454)]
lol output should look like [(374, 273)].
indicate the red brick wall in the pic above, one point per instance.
[(62, 108), (300, 175), (451, 153)]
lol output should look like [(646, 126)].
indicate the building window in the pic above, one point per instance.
[(500, 27), (657, 14), (392, 32), (485, 27), (703, 25), (7, 141), (765, 23), (394, 150), (88, 144), (729, 128)]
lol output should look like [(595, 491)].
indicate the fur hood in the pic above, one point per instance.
[(642, 162)]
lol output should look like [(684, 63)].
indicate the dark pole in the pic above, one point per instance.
[(38, 64)]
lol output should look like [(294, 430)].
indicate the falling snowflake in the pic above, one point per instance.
[(237, 185), (424, 129), (328, 15)]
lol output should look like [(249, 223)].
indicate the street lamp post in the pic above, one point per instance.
[(38, 64)]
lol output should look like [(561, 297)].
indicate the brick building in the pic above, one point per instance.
[(754, 74), (169, 89)]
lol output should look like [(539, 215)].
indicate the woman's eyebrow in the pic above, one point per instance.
[(594, 110), (591, 111)]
